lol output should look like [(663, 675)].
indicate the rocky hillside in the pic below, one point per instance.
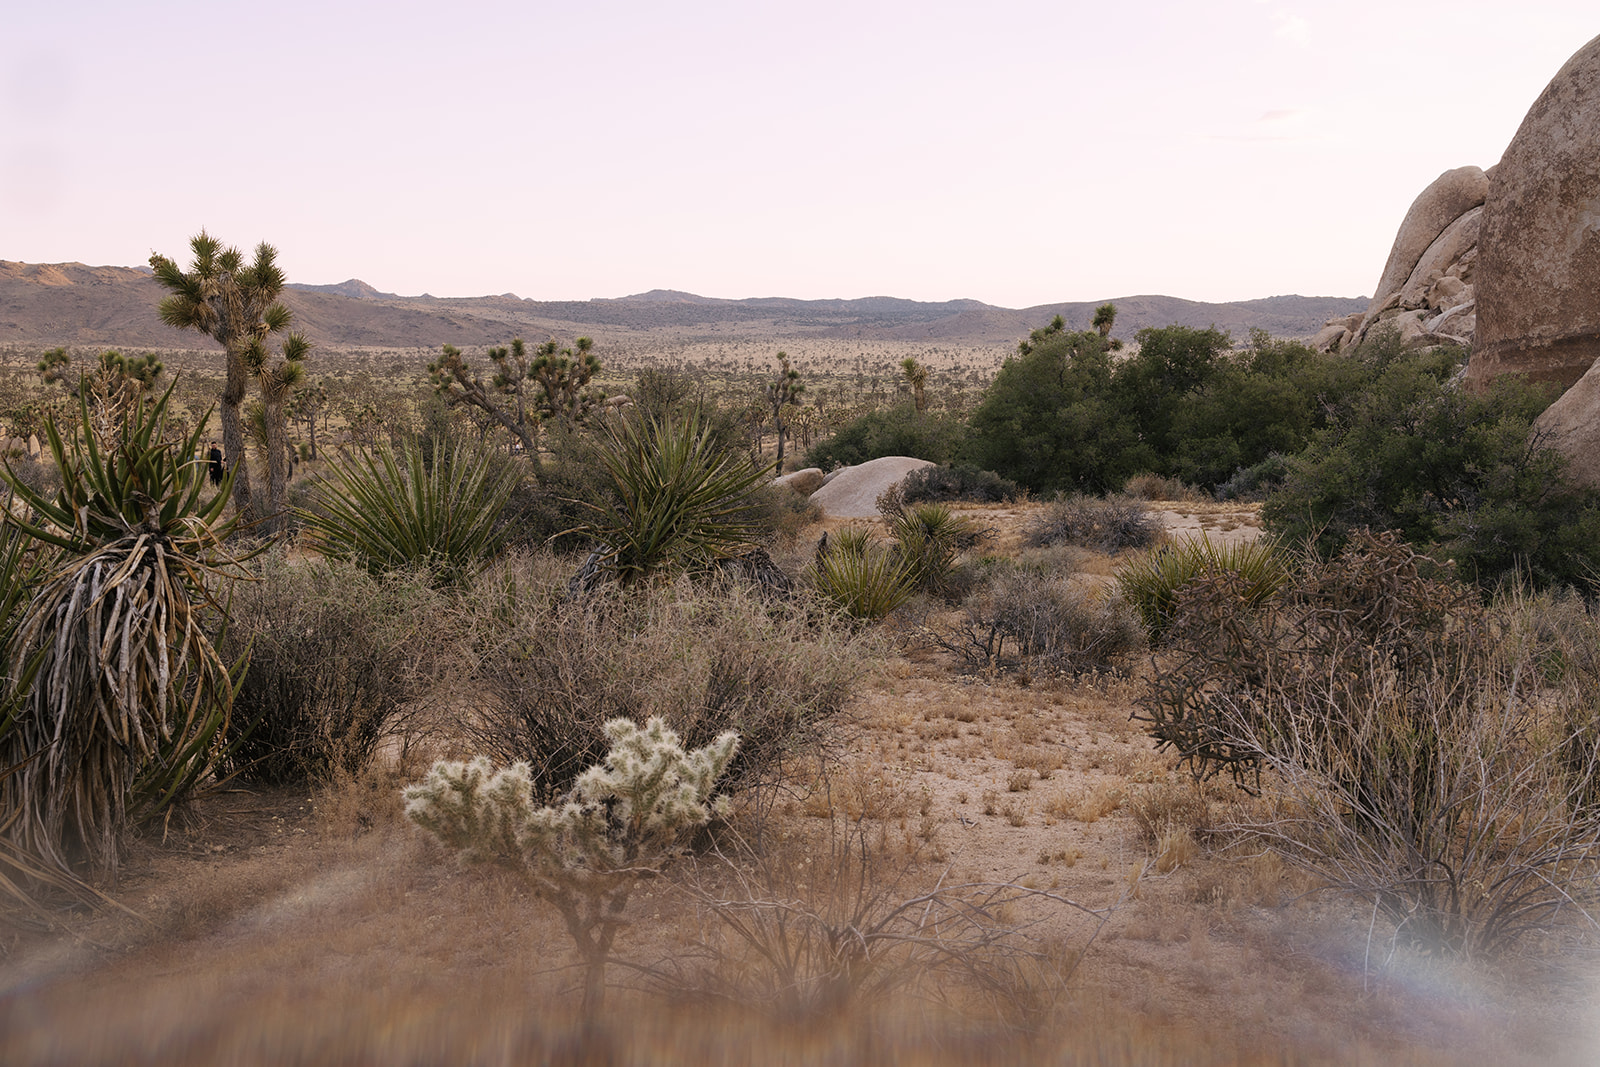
[(72, 304)]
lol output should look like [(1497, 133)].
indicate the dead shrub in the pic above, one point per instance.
[(830, 921), (1423, 758)]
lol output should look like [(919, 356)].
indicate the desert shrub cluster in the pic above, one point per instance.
[(1429, 752), (1107, 524), (338, 660), (704, 659)]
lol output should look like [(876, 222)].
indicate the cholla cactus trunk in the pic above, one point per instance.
[(622, 821)]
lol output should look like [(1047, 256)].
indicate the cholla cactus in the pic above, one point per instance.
[(623, 819)]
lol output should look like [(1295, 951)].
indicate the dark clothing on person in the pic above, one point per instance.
[(214, 458)]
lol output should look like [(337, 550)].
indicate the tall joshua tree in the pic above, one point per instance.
[(917, 377), (236, 304)]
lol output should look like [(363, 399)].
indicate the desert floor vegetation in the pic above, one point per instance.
[(936, 858)]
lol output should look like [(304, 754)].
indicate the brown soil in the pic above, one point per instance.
[(287, 927)]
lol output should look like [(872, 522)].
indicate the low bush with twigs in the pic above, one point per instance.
[(552, 671), (1107, 524), (1428, 753), (337, 659)]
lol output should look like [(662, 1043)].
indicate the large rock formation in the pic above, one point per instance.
[(1571, 426), (1426, 290), (853, 492), (1539, 252)]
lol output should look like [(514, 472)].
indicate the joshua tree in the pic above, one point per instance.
[(783, 391), (276, 381), (1104, 317), (236, 304), (917, 377), (523, 391), (125, 376)]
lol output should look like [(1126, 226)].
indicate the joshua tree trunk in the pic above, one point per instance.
[(233, 438), (277, 458)]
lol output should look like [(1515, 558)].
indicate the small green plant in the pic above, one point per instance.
[(928, 538), (390, 509), (624, 820), (1152, 582)]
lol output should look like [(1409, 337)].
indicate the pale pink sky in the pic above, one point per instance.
[(1017, 153)]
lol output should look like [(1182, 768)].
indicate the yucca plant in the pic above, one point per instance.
[(679, 499), (928, 538), (1151, 582), (129, 694), (390, 510), (863, 580)]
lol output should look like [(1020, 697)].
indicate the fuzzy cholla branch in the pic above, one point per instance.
[(623, 819)]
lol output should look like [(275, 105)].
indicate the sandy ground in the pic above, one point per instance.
[(283, 926)]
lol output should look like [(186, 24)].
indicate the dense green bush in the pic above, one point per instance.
[(941, 484), (897, 431), (1454, 471), (1063, 416)]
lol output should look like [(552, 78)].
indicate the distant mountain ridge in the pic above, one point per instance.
[(73, 304)]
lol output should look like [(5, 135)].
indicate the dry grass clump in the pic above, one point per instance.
[(550, 672), (1107, 524), (1149, 486)]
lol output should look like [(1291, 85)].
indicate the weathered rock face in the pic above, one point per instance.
[(1428, 277), (1452, 195), (1539, 252), (1571, 426)]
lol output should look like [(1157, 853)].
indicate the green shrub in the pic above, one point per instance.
[(393, 509), (897, 431), (927, 539), (703, 658), (336, 658), (1152, 582), (1453, 471), (1107, 525), (940, 484), (677, 498)]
